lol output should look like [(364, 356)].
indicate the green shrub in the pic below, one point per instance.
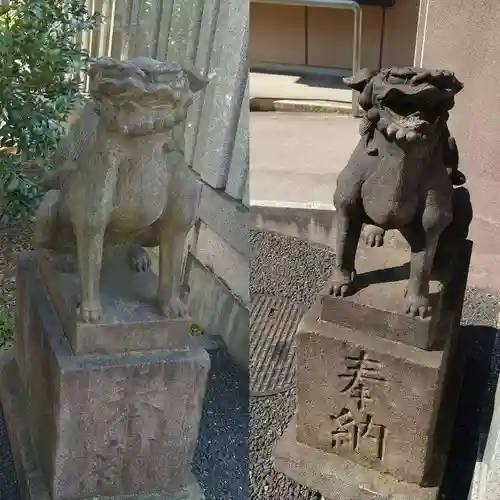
[(7, 324), (41, 63)]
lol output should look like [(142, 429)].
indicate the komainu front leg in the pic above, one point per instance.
[(348, 233), (170, 273), (423, 249), (90, 242)]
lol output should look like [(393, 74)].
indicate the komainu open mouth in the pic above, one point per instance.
[(413, 127)]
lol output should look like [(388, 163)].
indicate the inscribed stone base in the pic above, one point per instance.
[(118, 425), (383, 404), (337, 478)]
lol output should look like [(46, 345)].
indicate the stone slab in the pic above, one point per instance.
[(227, 217), (132, 320), (223, 260), (217, 310), (107, 425), (337, 478), (377, 303), (31, 480), (374, 401)]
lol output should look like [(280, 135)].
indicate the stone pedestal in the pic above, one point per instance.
[(375, 410), (109, 410)]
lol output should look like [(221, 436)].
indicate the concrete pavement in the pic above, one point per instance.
[(296, 157), (295, 160), (314, 93)]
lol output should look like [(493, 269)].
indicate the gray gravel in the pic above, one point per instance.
[(288, 267), (221, 463), (294, 269)]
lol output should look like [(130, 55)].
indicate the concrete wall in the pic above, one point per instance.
[(323, 37), (464, 37), (212, 36)]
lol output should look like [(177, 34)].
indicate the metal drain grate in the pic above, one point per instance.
[(273, 323)]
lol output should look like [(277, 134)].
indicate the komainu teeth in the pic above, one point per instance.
[(392, 130), (401, 134), (412, 136)]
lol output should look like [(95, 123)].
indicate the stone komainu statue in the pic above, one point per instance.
[(120, 176), (401, 176)]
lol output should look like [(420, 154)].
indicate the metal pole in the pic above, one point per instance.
[(356, 53)]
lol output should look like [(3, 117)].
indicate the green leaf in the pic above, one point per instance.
[(38, 87), (13, 184)]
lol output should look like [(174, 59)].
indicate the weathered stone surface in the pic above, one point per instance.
[(131, 320), (378, 304), (31, 480), (228, 219), (373, 401), (216, 309), (240, 161), (101, 425), (401, 176), (340, 479), (223, 260), (120, 176), (223, 98)]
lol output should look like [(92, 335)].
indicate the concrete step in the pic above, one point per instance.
[(312, 93)]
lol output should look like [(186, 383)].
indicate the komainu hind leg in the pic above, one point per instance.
[(372, 236), (46, 216), (49, 237), (138, 259)]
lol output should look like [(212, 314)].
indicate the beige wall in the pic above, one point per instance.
[(464, 37), (278, 34)]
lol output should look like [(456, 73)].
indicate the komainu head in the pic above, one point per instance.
[(143, 95), (413, 99)]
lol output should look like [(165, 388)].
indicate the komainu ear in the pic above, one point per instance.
[(197, 81), (359, 80), (442, 79)]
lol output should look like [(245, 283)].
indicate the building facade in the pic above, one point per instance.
[(316, 36)]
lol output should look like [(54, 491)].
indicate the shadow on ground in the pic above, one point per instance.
[(481, 347), (221, 463), (323, 81)]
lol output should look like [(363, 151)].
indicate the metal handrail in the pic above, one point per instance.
[(357, 29)]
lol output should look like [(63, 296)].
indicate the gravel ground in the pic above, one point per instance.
[(294, 269), (221, 462)]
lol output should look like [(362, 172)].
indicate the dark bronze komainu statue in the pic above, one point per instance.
[(401, 176)]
